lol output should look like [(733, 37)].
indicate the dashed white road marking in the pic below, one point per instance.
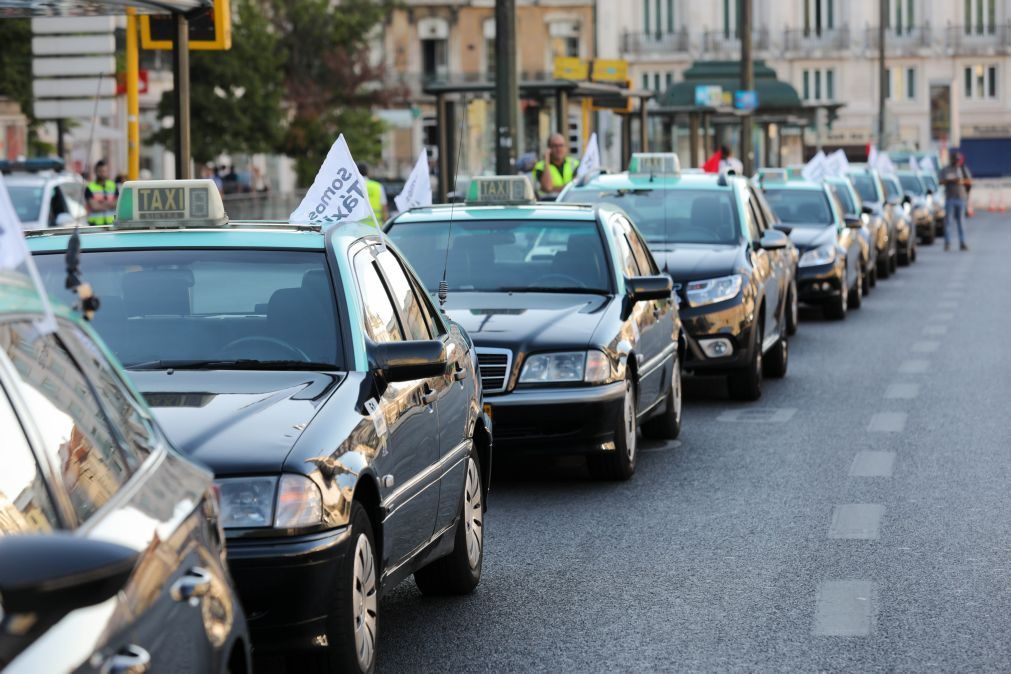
[(935, 330), (902, 391), (873, 464), (914, 367), (845, 608), (888, 422), (926, 346), (760, 415), (856, 521)]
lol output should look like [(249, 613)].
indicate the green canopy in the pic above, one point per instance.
[(774, 95)]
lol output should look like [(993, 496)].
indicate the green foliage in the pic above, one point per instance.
[(16, 75)]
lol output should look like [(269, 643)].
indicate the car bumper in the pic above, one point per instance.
[(819, 284), (561, 421), (287, 586), (732, 321)]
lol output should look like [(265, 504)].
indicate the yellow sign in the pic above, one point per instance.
[(501, 190), (610, 70), (210, 29), (568, 68)]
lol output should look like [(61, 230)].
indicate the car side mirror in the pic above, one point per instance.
[(64, 220), (645, 288), (774, 239), (408, 361), (59, 572), (867, 210), (854, 223)]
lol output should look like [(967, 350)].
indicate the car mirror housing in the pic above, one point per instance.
[(867, 210), (774, 239), (59, 572), (645, 288), (854, 223), (408, 361)]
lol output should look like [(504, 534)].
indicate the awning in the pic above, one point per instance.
[(10, 9)]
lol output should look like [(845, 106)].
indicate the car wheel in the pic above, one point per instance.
[(893, 264), (866, 284), (459, 572), (836, 309), (746, 384), (667, 426), (792, 311), (620, 463), (884, 266), (778, 359), (855, 295), (928, 238), (874, 276), (912, 252)]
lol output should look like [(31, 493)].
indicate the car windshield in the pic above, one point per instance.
[(507, 255), (891, 188), (244, 309), (27, 200), (864, 184), (672, 215), (846, 199), (930, 182), (912, 184), (800, 206)]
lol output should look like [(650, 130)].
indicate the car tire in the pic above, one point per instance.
[(855, 295), (874, 276), (777, 360), (620, 464), (667, 426), (459, 572), (836, 309), (893, 264), (867, 280), (928, 238), (792, 311), (884, 266), (913, 253), (746, 384)]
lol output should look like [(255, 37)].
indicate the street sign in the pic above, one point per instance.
[(614, 103), (746, 100), (60, 25), (72, 108), (210, 29), (708, 96), (143, 81), (568, 68), (77, 65), (610, 70), (73, 66), (66, 45), (77, 87)]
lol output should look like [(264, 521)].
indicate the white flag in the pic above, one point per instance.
[(14, 253), (872, 156), (591, 158), (418, 188), (837, 164), (884, 164), (913, 166), (815, 170), (338, 194), (927, 164)]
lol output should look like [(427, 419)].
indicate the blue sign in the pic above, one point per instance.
[(707, 96), (746, 100)]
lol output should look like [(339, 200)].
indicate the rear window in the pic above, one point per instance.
[(801, 207), (912, 185), (865, 187), (846, 199), (27, 200)]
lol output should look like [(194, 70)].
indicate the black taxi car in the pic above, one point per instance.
[(732, 269), (339, 409), (112, 556), (576, 328), (867, 182)]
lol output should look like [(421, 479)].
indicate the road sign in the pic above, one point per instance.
[(75, 24), (73, 108), (210, 29), (567, 68), (708, 96), (614, 103), (746, 100), (77, 65), (77, 87), (143, 81), (610, 70), (66, 45)]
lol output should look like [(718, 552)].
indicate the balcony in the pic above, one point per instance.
[(717, 44), (655, 44), (977, 40), (808, 41), (909, 40)]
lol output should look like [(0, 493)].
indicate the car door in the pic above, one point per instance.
[(134, 493), (409, 453), (762, 260), (780, 261), (451, 390)]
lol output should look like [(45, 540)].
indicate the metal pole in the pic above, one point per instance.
[(626, 140), (440, 125), (643, 126), (61, 150), (882, 72), (693, 138), (747, 84), (506, 85), (132, 97), (562, 112), (181, 81)]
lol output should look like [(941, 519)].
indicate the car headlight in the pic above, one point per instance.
[(288, 502), (711, 291), (592, 367), (819, 256)]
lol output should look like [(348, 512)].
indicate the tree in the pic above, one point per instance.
[(16, 74), (236, 95)]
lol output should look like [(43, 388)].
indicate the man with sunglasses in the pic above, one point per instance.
[(557, 169)]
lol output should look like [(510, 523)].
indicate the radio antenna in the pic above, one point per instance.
[(444, 284)]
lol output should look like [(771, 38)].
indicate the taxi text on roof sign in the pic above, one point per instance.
[(655, 163), (145, 204), (501, 190)]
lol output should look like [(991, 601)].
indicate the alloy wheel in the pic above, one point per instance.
[(629, 409), (364, 600), (473, 514), (676, 387)]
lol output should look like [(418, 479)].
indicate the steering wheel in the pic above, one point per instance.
[(299, 353), (543, 280)]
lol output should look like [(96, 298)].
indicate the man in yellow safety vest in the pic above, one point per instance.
[(377, 194), (557, 169), (101, 196)]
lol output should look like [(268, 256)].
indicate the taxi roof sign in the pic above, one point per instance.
[(655, 163), (154, 204), (773, 175), (501, 190)]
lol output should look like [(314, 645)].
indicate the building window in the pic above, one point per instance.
[(981, 82), (668, 81), (731, 18), (807, 85), (434, 35), (645, 81), (888, 83), (830, 85), (901, 15), (819, 16), (911, 84), (489, 48), (900, 82), (818, 84), (658, 17), (564, 39), (980, 17)]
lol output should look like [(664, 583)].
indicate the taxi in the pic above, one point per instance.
[(867, 182), (577, 330), (919, 199), (905, 216), (339, 409), (870, 230), (830, 270), (732, 269)]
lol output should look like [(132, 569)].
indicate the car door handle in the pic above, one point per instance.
[(429, 395), (194, 584), (130, 660), (460, 373)]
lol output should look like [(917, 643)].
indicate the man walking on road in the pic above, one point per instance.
[(557, 169), (954, 177)]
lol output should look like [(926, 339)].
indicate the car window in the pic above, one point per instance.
[(770, 215), (846, 203), (381, 322), (760, 219), (25, 506), (57, 206), (76, 435), (628, 265), (411, 312), (27, 200), (865, 186), (73, 195), (751, 220), (640, 251), (804, 207)]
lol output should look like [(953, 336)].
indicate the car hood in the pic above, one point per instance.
[(807, 238), (521, 321), (696, 261), (235, 422)]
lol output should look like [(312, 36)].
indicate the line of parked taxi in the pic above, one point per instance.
[(344, 386)]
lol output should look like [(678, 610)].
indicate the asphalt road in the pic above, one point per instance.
[(856, 518)]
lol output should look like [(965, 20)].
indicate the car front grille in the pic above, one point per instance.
[(495, 366)]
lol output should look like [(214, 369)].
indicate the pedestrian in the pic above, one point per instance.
[(376, 192), (557, 169), (208, 173), (715, 162), (259, 182), (101, 196), (955, 176)]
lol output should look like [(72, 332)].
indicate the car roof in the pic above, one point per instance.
[(795, 185), (473, 213), (625, 181)]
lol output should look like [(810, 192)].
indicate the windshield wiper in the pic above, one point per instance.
[(554, 289), (239, 364)]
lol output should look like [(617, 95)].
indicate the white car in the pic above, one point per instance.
[(44, 195)]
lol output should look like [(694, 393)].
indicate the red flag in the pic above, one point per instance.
[(712, 164)]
